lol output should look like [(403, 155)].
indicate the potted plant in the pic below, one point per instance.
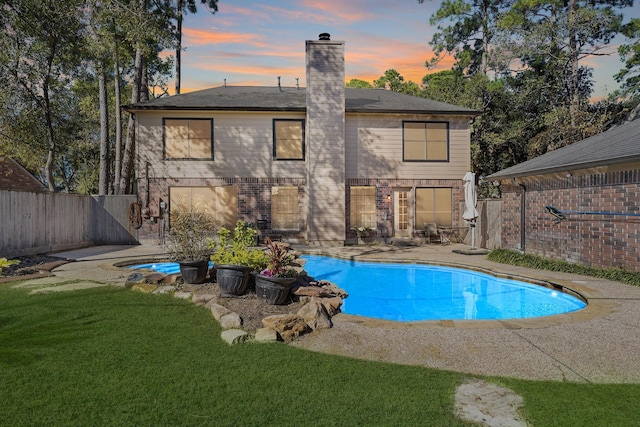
[(274, 282), (190, 231), (234, 261)]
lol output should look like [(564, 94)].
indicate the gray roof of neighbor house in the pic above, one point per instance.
[(266, 98), (620, 144)]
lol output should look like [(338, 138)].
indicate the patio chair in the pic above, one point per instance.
[(433, 234)]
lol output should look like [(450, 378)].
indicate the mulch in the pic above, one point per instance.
[(31, 267)]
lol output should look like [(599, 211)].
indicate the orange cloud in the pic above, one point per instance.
[(203, 37)]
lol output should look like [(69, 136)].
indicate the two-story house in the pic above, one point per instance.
[(312, 162)]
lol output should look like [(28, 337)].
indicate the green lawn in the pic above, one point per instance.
[(110, 356)]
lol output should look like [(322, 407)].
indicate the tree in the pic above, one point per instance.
[(466, 30), (392, 80), (190, 5), (357, 83), (630, 53), (41, 50), (562, 33)]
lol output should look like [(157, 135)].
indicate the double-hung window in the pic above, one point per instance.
[(288, 139), (188, 139), (284, 208), (363, 206), (425, 141)]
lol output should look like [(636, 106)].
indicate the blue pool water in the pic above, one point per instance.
[(162, 267), (410, 292)]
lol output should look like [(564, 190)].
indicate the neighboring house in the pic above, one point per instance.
[(13, 176), (312, 162), (596, 183)]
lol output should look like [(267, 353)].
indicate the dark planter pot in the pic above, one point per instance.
[(273, 290), (194, 272), (232, 279)]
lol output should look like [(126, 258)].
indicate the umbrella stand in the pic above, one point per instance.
[(472, 224)]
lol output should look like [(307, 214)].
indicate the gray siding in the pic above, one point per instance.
[(243, 146), (374, 148)]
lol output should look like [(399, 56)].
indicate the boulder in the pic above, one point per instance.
[(171, 279), (289, 326), (266, 335), (332, 305), (154, 278), (312, 291), (234, 336), (218, 311), (165, 289), (315, 315), (134, 278), (146, 288), (230, 321), (202, 299), (182, 295)]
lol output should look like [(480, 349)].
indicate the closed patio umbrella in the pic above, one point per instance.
[(470, 199)]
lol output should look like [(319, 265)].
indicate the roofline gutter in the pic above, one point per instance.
[(560, 169), (133, 109)]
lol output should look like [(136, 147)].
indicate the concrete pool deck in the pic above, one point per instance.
[(599, 344)]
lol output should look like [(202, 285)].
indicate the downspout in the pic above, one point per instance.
[(523, 216)]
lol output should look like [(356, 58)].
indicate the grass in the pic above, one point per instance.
[(506, 256), (109, 356)]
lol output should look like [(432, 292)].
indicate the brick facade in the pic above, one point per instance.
[(254, 200), (591, 239)]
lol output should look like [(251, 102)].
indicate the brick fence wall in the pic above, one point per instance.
[(598, 240)]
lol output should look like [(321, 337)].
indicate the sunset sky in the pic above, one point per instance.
[(253, 42)]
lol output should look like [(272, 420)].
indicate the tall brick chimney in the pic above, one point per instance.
[(325, 141)]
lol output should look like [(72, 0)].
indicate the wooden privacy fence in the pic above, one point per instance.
[(32, 223), (488, 224)]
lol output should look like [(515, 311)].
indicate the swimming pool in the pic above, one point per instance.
[(414, 292), (161, 267)]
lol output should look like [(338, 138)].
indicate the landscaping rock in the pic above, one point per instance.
[(218, 311), (266, 335), (170, 279), (234, 336), (289, 326), (182, 295), (202, 299), (315, 315), (312, 291), (164, 289), (133, 279), (488, 404), (332, 305), (146, 288), (154, 278), (230, 321)]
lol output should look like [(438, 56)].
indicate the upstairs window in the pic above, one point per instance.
[(188, 139), (288, 139), (425, 141)]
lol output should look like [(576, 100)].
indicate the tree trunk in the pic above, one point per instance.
[(179, 45), (118, 116), (573, 57), (103, 183), (130, 146)]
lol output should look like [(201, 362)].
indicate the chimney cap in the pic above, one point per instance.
[(324, 36)]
